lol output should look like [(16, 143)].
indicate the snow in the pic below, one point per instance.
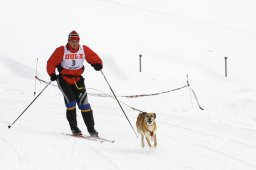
[(175, 38)]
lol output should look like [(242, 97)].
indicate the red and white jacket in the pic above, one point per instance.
[(70, 62)]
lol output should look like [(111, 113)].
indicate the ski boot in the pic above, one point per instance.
[(76, 131), (71, 116), (89, 122), (93, 133)]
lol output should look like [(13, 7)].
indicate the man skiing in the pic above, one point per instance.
[(69, 61)]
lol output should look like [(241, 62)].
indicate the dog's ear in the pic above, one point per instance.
[(143, 113), (154, 115)]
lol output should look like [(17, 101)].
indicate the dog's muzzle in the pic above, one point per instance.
[(149, 121)]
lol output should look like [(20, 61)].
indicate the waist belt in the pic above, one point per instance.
[(70, 76), (73, 77)]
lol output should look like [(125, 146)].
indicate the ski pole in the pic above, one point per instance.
[(194, 94), (189, 91), (119, 103), (36, 76), (29, 105)]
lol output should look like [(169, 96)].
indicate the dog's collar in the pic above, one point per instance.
[(151, 132)]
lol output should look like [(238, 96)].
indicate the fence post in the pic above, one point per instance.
[(140, 61), (226, 70)]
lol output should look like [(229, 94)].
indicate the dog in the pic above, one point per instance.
[(146, 127)]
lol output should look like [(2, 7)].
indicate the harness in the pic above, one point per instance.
[(151, 132)]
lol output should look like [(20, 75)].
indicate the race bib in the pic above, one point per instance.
[(73, 61)]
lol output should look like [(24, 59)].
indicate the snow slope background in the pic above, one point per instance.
[(175, 38)]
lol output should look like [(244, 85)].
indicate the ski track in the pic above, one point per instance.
[(251, 146), (110, 162), (49, 152), (209, 146), (227, 155), (211, 135), (13, 150)]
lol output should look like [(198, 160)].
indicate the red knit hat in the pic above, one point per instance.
[(73, 36)]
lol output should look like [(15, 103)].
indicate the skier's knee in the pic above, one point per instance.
[(85, 108), (71, 105)]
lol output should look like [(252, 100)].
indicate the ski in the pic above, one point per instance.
[(104, 139), (99, 139), (84, 137)]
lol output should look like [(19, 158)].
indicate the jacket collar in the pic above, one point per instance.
[(71, 49)]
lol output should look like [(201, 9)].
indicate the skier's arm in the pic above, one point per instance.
[(91, 57), (55, 60)]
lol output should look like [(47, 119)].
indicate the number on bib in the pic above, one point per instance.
[(73, 62)]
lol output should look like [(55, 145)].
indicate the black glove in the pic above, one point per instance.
[(53, 77), (97, 66)]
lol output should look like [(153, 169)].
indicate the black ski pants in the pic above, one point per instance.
[(74, 94)]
